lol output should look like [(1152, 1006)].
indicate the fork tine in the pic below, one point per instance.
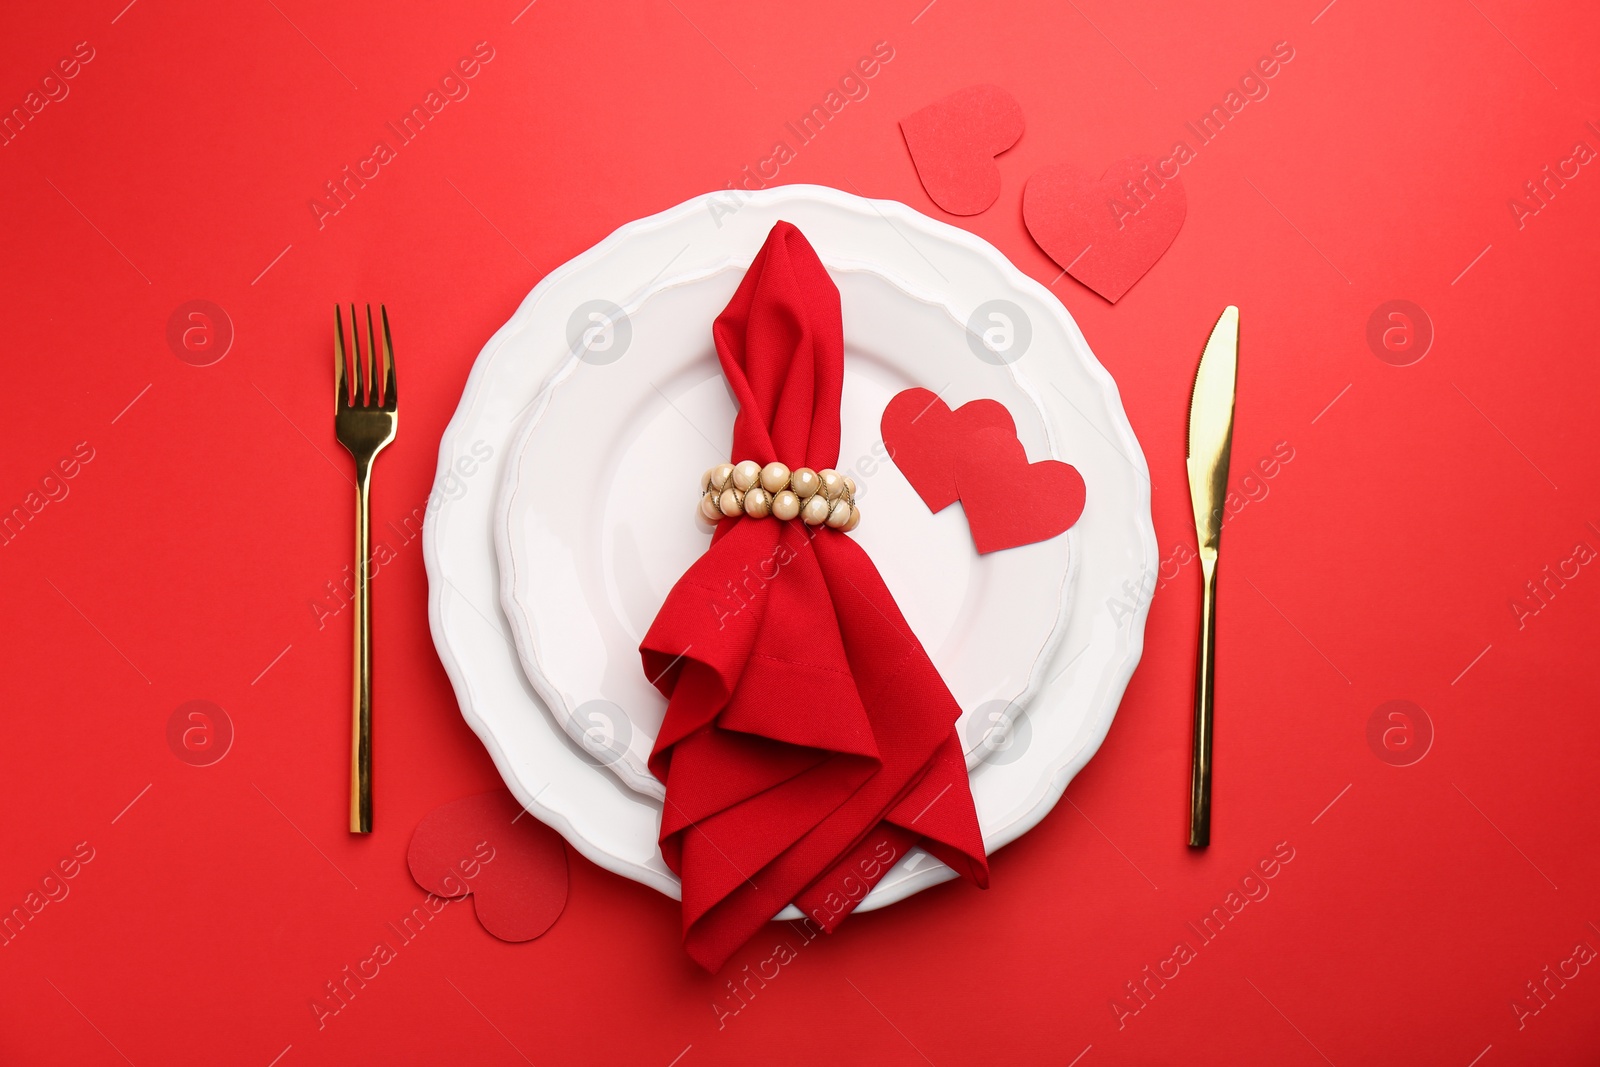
[(373, 363), (363, 360), (341, 383), (389, 395)]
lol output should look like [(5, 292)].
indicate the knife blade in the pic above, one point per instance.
[(1209, 449)]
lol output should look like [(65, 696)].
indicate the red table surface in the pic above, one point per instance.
[(1438, 911)]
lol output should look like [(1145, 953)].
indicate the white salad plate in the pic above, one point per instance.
[(598, 512), (680, 266)]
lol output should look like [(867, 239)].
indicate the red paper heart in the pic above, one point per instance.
[(1105, 232), (514, 866), (972, 454), (953, 143), (926, 439), (1009, 501)]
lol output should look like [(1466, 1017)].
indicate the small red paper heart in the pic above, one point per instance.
[(1009, 501), (953, 143), (513, 865), (926, 439), (1107, 232), (972, 454)]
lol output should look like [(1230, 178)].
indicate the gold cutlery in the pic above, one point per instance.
[(1210, 442), (364, 420)]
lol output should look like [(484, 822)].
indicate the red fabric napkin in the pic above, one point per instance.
[(808, 742)]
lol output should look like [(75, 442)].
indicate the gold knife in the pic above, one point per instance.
[(1210, 442)]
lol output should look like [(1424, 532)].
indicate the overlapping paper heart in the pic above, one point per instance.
[(513, 865), (972, 454)]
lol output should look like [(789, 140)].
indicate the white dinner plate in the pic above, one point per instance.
[(598, 511), (1113, 544)]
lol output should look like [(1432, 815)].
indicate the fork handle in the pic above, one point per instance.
[(1204, 696), (361, 703)]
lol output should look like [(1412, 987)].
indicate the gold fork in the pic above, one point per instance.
[(364, 420)]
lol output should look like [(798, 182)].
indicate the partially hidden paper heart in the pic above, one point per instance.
[(973, 454), (1107, 232), (953, 142), (927, 440), (513, 865)]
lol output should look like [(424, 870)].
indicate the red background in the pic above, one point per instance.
[(1381, 565)]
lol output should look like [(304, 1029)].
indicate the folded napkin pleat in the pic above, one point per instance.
[(809, 742)]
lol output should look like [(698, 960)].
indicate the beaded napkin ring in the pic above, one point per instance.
[(817, 498)]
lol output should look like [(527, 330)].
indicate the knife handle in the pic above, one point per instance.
[(1204, 695)]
